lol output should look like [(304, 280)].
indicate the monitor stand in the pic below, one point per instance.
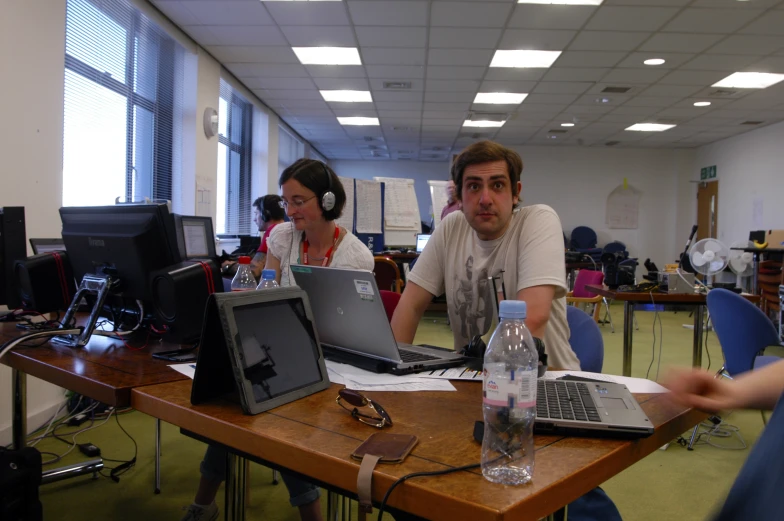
[(97, 285)]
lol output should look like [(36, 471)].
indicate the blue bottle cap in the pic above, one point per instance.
[(513, 309), (268, 274)]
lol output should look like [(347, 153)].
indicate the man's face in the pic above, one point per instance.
[(257, 219), (487, 198)]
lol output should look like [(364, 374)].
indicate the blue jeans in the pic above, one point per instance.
[(213, 468)]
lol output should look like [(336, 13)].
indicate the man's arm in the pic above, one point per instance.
[(539, 300), (257, 264), (409, 311)]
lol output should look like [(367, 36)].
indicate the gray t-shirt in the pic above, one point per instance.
[(530, 253)]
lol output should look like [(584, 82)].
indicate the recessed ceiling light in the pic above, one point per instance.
[(327, 55), (500, 98), (650, 127), (603, 100), (567, 124), (524, 59), (654, 61), (483, 123), (563, 2), (348, 96), (358, 121), (552, 137), (749, 80), (702, 103)]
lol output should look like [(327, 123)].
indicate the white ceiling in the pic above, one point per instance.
[(444, 48)]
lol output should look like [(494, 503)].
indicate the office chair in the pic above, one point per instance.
[(581, 296), (585, 339), (387, 274), (584, 240), (744, 331), (390, 300)]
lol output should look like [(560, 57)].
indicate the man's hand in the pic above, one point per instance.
[(699, 389)]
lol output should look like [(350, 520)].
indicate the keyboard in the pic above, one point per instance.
[(566, 400), (413, 356)]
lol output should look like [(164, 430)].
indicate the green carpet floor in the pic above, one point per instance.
[(669, 484)]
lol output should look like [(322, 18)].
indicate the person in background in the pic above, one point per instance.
[(313, 198), (452, 201), (756, 493), (267, 213)]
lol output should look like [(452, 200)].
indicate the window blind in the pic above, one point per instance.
[(123, 106), (289, 149)]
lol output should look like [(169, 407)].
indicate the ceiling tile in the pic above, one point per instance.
[(230, 13), (178, 12), (672, 60), (203, 34), (248, 35), (535, 39), (550, 99), (391, 36), (279, 83), (467, 57), (679, 113), (532, 16), (288, 94), (679, 42), (747, 44), (248, 54), (609, 18), (674, 91), (454, 73), (722, 21), (699, 78), (452, 85), (628, 110), (510, 74), (398, 96), (464, 14), (607, 41), (243, 70), (450, 97), (395, 72), (760, 4), (772, 23), (336, 71), (341, 83), (456, 38), (545, 87), (308, 13), (435, 106), (319, 36), (390, 56), (387, 12), (544, 110), (589, 59), (644, 76), (400, 114), (719, 62), (507, 86), (574, 74), (651, 101), (770, 64), (356, 112), (398, 105)]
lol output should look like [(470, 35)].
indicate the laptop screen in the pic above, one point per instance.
[(277, 346), (422, 239)]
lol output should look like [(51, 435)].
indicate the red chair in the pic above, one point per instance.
[(387, 274), (390, 300)]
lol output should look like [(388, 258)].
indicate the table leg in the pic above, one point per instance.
[(235, 487), (755, 272), (628, 336), (699, 316), (333, 506), (157, 456), (19, 414)]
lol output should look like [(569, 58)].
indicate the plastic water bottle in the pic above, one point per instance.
[(509, 399), (267, 280), (243, 280)]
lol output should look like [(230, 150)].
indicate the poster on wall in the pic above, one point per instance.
[(623, 206)]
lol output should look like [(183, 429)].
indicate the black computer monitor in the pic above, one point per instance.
[(12, 249), (46, 245), (195, 238)]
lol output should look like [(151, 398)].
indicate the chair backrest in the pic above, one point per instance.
[(586, 277), (615, 247), (742, 328), (390, 300), (387, 274), (583, 238), (585, 339)]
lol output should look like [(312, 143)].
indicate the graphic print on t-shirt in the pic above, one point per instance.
[(471, 300)]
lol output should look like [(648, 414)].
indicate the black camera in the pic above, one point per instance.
[(618, 269)]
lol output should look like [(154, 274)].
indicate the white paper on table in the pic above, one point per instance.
[(453, 373), (368, 206), (188, 370), (421, 384), (361, 380), (635, 385), (346, 219)]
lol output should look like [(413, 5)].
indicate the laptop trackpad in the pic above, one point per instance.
[(614, 403)]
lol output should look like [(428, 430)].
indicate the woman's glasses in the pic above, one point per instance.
[(296, 203), (357, 400)]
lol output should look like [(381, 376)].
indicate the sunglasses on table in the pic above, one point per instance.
[(358, 400)]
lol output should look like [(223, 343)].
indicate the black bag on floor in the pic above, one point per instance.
[(20, 477)]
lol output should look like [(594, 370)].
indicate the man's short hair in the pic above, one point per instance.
[(486, 152), (269, 206)]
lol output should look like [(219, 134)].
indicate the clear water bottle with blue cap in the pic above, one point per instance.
[(509, 398), (267, 280)]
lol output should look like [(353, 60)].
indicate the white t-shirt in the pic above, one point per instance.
[(530, 253), (283, 243)]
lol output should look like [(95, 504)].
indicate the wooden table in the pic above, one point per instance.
[(314, 437), (655, 301), (104, 370)]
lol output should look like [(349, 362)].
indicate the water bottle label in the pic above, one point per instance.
[(513, 389)]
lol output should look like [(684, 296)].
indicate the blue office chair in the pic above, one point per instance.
[(585, 339), (743, 331)]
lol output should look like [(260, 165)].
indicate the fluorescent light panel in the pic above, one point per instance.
[(749, 80), (562, 2), (348, 96), (654, 61), (524, 59), (500, 98), (567, 124), (327, 55), (483, 123), (359, 121), (702, 104), (650, 127)]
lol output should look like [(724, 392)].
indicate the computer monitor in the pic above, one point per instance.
[(46, 245), (12, 249), (422, 239), (195, 237)]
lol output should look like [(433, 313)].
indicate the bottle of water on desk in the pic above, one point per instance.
[(509, 399), (267, 280), (243, 280)]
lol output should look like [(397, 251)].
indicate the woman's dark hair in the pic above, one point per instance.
[(269, 206), (319, 179), (486, 152)]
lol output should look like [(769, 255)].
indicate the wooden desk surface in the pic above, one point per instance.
[(104, 370), (657, 297), (315, 437)]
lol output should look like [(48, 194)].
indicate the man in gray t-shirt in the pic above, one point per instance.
[(492, 237)]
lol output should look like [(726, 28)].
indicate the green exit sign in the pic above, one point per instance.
[(709, 172)]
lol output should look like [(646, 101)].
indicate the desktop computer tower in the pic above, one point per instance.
[(46, 282), (13, 247)]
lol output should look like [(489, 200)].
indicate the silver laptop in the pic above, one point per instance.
[(353, 326)]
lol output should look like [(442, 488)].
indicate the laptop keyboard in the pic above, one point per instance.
[(566, 400), (413, 356)]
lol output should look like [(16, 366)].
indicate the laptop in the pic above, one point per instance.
[(422, 239), (354, 327)]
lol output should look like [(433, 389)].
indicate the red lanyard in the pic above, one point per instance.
[(306, 244)]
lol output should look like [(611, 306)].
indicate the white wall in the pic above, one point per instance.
[(576, 183)]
